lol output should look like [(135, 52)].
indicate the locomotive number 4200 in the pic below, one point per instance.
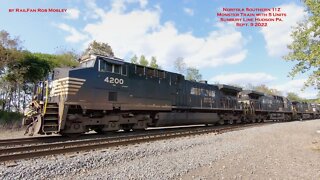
[(113, 80)]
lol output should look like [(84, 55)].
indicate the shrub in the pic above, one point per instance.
[(10, 119)]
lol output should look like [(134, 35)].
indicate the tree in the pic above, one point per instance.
[(99, 48), (10, 53), (143, 61), (249, 86), (305, 48), (294, 97), (30, 68), (66, 59), (9, 49), (21, 75), (153, 63), (20, 70), (193, 74), (180, 66), (66, 50), (134, 59), (263, 88)]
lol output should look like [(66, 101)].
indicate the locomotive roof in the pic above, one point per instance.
[(87, 57), (224, 87), (253, 93), (110, 57), (295, 102)]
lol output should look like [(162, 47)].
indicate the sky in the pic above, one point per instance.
[(188, 29)]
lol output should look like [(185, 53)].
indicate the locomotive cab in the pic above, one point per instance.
[(249, 98), (251, 104)]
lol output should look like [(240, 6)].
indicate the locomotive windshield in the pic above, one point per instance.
[(106, 65), (87, 63), (109, 67)]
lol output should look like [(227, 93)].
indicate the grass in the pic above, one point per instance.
[(10, 120)]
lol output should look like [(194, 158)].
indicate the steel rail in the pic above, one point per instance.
[(32, 140), (17, 153), (50, 139), (4, 143)]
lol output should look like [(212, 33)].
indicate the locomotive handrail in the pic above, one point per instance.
[(46, 102)]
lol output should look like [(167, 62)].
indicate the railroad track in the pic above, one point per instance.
[(5, 143), (38, 150), (41, 140), (24, 141)]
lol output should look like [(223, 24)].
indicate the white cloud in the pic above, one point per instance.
[(75, 36), (143, 3), (120, 5), (295, 86), (277, 34), (188, 11), (126, 33), (140, 32), (93, 11), (243, 78), (72, 13)]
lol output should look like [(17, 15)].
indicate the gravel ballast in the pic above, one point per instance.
[(277, 151)]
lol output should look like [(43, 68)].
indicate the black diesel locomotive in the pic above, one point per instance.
[(109, 94)]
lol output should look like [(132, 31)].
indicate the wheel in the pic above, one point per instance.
[(99, 131), (126, 127), (221, 122), (237, 121)]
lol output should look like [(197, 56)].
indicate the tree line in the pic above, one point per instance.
[(21, 69)]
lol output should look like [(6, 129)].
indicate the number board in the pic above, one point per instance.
[(113, 80)]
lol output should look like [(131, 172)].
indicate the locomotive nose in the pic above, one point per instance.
[(59, 73), (66, 86)]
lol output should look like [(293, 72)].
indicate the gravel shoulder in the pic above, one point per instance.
[(11, 133), (278, 151), (288, 151)]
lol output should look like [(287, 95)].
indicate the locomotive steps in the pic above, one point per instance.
[(51, 118)]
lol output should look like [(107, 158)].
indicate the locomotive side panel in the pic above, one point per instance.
[(118, 85), (186, 118), (149, 89), (201, 95)]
